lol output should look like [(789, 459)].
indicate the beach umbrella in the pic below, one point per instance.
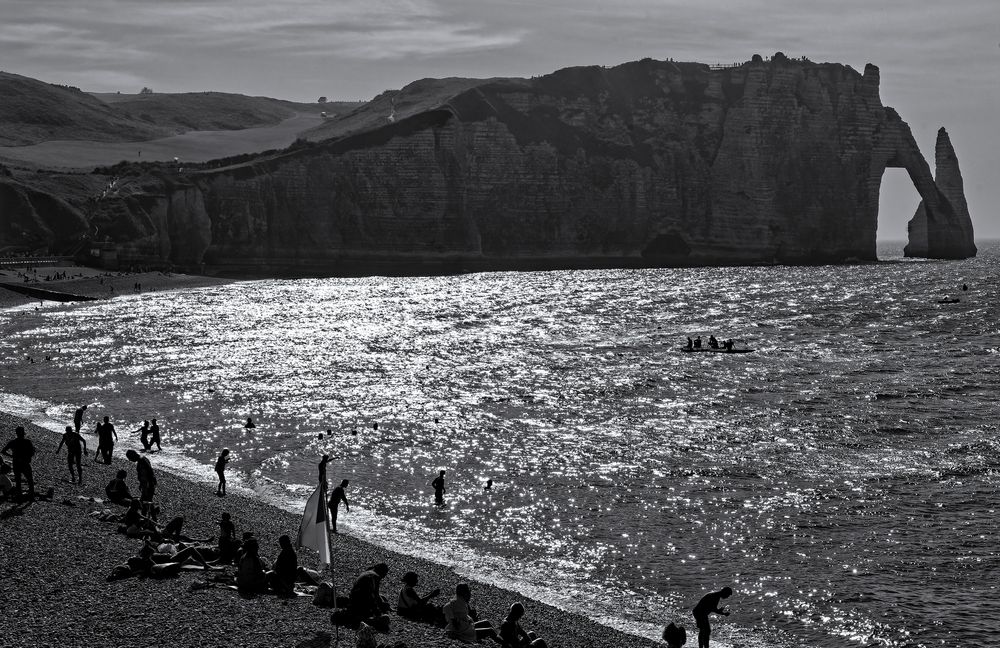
[(314, 531)]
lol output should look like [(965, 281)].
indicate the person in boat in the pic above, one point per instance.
[(712, 342), (728, 344), (690, 344), (697, 342)]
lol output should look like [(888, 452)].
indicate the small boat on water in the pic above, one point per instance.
[(950, 300), (719, 350)]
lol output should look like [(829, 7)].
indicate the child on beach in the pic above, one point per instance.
[(220, 470)]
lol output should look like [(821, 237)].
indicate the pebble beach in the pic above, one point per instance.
[(55, 557)]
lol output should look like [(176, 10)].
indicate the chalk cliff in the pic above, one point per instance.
[(647, 163)]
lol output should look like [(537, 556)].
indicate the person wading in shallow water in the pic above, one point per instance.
[(438, 485), (78, 417), (709, 604), (75, 445), (220, 470), (154, 436), (336, 497), (106, 437)]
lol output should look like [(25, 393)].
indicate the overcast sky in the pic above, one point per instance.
[(940, 60)]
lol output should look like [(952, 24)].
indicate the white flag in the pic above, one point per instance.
[(313, 531)]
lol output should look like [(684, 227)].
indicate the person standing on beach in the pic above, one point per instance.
[(438, 485), (143, 433), (144, 471), (106, 437), (75, 444), (220, 470), (709, 604), (78, 417), (21, 450), (336, 498), (322, 469), (154, 436)]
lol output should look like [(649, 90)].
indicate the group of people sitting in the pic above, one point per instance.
[(365, 606), (712, 343)]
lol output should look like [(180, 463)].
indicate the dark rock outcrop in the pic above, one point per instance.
[(931, 236), (647, 163)]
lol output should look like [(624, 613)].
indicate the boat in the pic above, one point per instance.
[(719, 350), (950, 300)]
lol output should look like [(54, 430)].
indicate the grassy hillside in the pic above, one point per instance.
[(32, 111)]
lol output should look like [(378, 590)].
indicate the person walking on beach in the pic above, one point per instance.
[(438, 486), (220, 470), (78, 417), (75, 445), (709, 604), (336, 497), (143, 433), (106, 437), (21, 450), (154, 436), (144, 471)]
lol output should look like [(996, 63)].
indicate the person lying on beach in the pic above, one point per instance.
[(117, 491), (186, 554), (512, 635), (460, 618), (251, 575), (414, 607)]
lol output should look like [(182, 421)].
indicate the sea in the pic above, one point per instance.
[(842, 477)]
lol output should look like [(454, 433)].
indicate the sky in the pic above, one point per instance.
[(939, 61)]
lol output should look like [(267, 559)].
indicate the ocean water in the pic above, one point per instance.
[(842, 478)]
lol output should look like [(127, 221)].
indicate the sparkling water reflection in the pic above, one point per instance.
[(841, 478)]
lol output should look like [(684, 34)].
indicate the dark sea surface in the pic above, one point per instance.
[(842, 478)]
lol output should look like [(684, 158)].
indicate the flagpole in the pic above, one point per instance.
[(329, 543)]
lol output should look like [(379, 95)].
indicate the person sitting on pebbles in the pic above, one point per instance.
[(460, 618), (117, 491), (512, 635), (251, 575), (414, 607)]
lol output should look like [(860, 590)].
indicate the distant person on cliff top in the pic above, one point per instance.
[(21, 450), (144, 471), (220, 470), (249, 424), (154, 436), (709, 604), (76, 446), (438, 486), (117, 491), (106, 438), (336, 497), (78, 417)]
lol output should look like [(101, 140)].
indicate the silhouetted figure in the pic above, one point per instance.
[(324, 460), (117, 491), (712, 342), (728, 344), (674, 636), (78, 417), (489, 485), (282, 576), (513, 635), (460, 618), (690, 344), (143, 433), (697, 342), (249, 424), (229, 546), (144, 471), (21, 450), (106, 437), (251, 574), (336, 497), (965, 287), (76, 446), (154, 436), (438, 486), (365, 601), (220, 470), (414, 607), (709, 604)]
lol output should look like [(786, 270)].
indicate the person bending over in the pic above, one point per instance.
[(709, 604)]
